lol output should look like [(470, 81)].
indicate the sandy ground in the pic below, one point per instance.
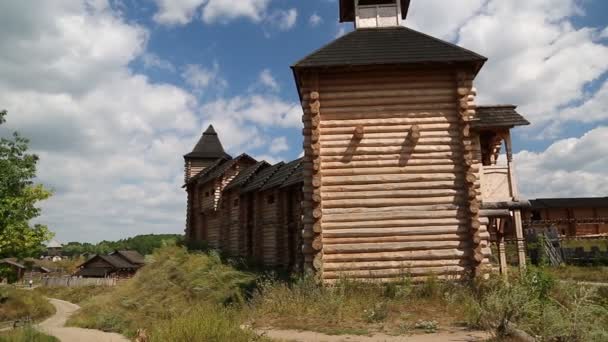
[(55, 326), (306, 336)]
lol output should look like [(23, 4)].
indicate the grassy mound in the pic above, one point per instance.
[(19, 304), (174, 287), (26, 335)]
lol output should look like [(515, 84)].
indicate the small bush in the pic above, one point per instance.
[(19, 304)]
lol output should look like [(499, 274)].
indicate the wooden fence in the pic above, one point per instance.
[(78, 282)]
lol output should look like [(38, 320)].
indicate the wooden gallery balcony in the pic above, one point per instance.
[(495, 184)]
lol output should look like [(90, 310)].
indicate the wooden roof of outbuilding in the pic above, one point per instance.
[(112, 260), (208, 147), (282, 175), (503, 116), (261, 178), (131, 256), (296, 177), (220, 169), (562, 203), (244, 176), (389, 46), (347, 10)]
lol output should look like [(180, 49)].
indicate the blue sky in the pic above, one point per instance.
[(113, 92)]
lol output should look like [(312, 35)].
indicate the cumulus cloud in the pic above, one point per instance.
[(315, 20), (151, 60), (568, 168), (279, 145), (181, 12), (283, 20), (267, 80), (200, 77)]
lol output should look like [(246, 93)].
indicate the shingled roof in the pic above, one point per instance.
[(245, 175), (387, 46), (206, 171), (208, 147), (498, 117), (222, 168), (347, 10), (282, 175), (561, 203), (296, 177), (262, 177)]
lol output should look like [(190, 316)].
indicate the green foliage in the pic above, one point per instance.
[(18, 198), (8, 273), (18, 304), (27, 334), (144, 244), (173, 284), (76, 295)]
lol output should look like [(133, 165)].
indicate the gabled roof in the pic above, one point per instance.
[(296, 177), (261, 178), (347, 10), (222, 168), (562, 203), (12, 263), (207, 170), (114, 261), (282, 175), (503, 116), (131, 256), (389, 46), (53, 244), (208, 147), (244, 176)]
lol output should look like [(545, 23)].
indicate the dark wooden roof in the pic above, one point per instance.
[(220, 169), (206, 171), (261, 178), (504, 116), (562, 203), (92, 272), (244, 176), (208, 147), (282, 175), (347, 10), (389, 46), (12, 263), (112, 260), (131, 256), (296, 177)]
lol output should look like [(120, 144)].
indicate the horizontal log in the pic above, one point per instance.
[(388, 108), (445, 254), (366, 87), (372, 78), (383, 93), (452, 155), (414, 232), (464, 237), (380, 129), (393, 247), (366, 102), (419, 186), (379, 214), (442, 270), (388, 193), (379, 265), (401, 141), (409, 169), (453, 221), (387, 118), (384, 202), (378, 179), (404, 151), (446, 133)]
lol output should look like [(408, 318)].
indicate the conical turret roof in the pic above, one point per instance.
[(208, 147)]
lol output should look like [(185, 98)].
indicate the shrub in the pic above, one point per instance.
[(19, 304), (26, 335)]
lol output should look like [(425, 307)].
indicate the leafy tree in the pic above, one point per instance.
[(18, 198)]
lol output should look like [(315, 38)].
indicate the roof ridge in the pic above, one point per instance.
[(446, 42)]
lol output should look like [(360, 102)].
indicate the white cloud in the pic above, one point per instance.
[(568, 168), (441, 18), (266, 79), (200, 78), (283, 20), (604, 33), (532, 46), (151, 60), (315, 20), (181, 12), (278, 145), (341, 31)]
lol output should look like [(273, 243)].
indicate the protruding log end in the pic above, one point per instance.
[(359, 132), (415, 132), (317, 243), (317, 227), (318, 262), (315, 108), (317, 213), (314, 95)]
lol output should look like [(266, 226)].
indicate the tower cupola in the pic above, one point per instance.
[(207, 150), (374, 13)]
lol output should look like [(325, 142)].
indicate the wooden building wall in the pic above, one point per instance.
[(572, 221), (391, 174)]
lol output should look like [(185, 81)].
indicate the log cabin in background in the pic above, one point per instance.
[(399, 174), (571, 216)]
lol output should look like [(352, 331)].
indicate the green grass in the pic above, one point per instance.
[(19, 304), (577, 273), (25, 335), (76, 295)]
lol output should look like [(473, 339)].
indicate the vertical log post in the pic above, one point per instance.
[(502, 252), (466, 101), (519, 231), (312, 241)]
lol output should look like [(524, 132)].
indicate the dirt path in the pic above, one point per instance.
[(307, 336), (55, 326)]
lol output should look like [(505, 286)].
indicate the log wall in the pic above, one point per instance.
[(391, 180)]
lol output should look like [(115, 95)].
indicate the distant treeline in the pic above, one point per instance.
[(144, 244)]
